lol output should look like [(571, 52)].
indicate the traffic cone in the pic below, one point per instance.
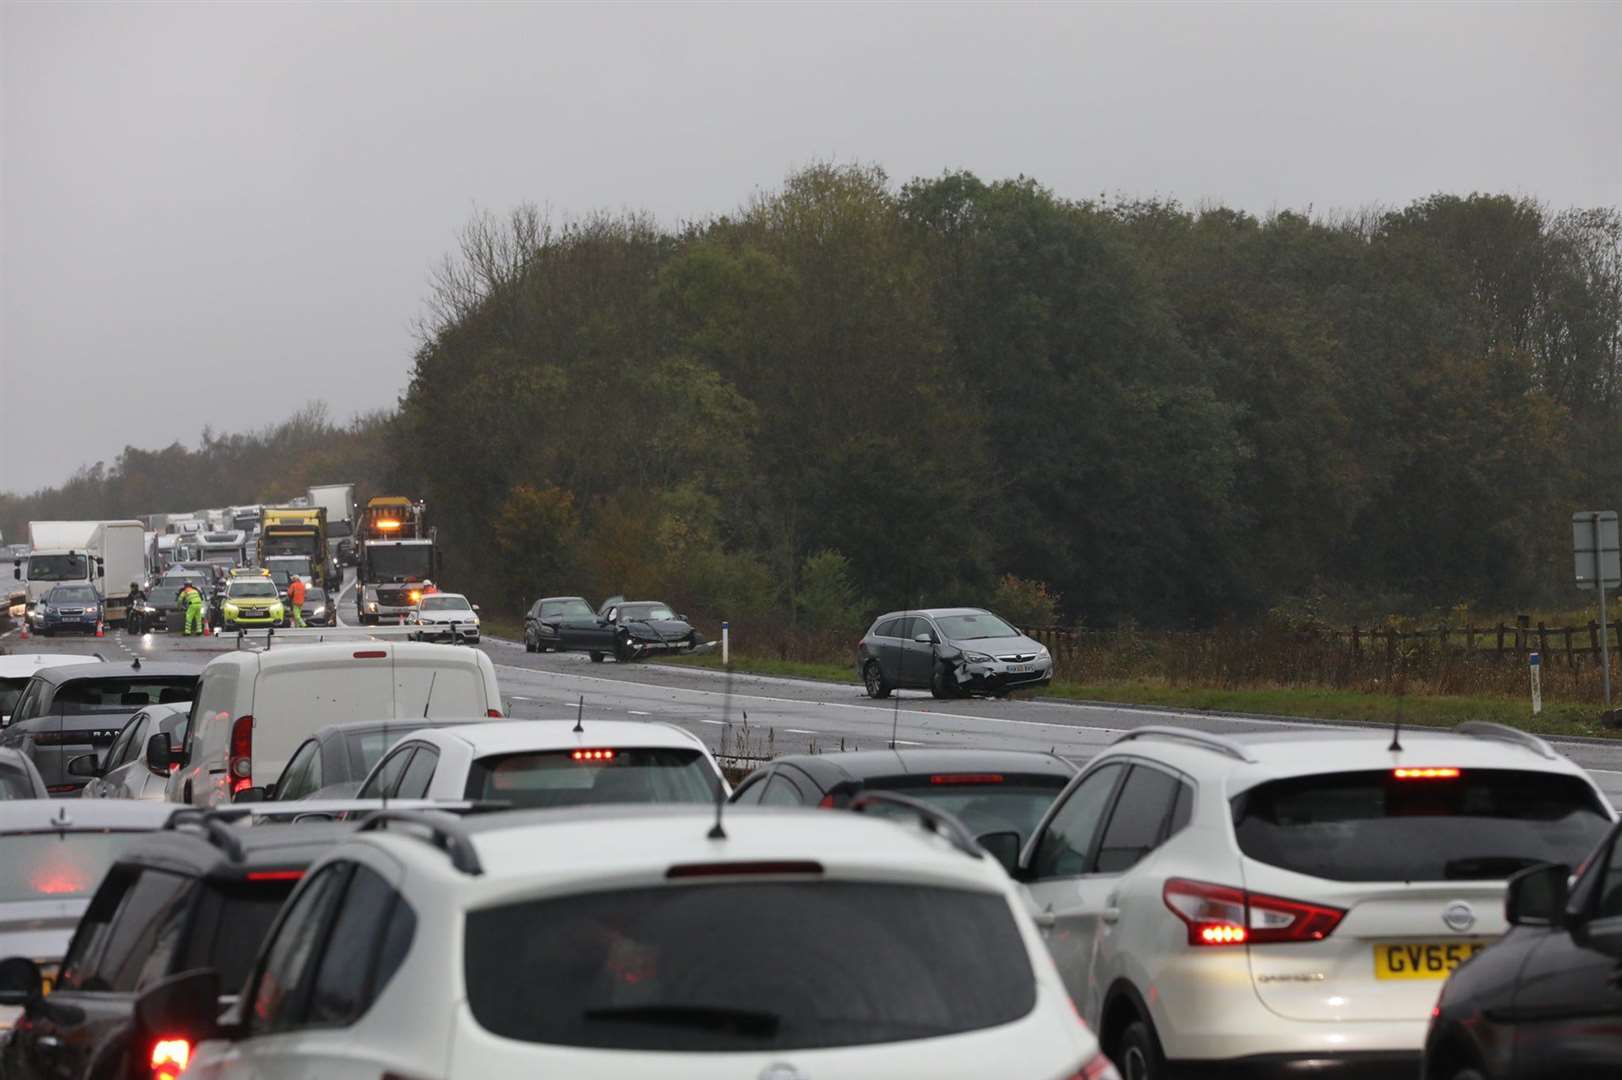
[(24, 635), (101, 629)]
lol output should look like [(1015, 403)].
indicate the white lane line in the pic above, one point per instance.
[(905, 742), (707, 720), (638, 712), (799, 731)]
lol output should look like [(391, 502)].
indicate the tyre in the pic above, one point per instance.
[(1138, 1055), (596, 657), (529, 643), (873, 680), (623, 653), (941, 686)]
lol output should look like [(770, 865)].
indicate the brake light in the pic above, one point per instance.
[(275, 875), (593, 755), (784, 866), (1446, 773), (170, 1058), (371, 654), (241, 764), (1223, 915), (827, 802), (494, 714), (966, 778), (1099, 1068)]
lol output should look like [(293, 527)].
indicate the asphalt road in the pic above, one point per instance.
[(765, 715)]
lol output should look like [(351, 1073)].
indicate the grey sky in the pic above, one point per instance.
[(215, 213)]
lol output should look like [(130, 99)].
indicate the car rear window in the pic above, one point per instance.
[(232, 923), (984, 801), (1480, 824), (57, 866), (762, 966), (90, 697), (609, 775)]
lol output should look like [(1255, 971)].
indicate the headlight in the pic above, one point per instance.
[(230, 608), (276, 611), (415, 596), (319, 613), (1043, 654), (371, 605), (977, 657)]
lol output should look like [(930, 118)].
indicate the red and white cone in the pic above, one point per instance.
[(101, 628), (24, 635)]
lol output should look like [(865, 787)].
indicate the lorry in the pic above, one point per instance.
[(339, 502), (228, 548), (108, 555), (396, 552), (296, 530)]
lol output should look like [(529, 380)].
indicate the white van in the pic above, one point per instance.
[(253, 709)]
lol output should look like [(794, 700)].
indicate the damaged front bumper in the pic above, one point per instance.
[(997, 676)]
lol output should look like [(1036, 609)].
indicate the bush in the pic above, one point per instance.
[(1025, 603), (828, 599)]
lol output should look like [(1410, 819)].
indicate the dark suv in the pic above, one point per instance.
[(65, 712), (202, 893), (951, 652), (1544, 1002)]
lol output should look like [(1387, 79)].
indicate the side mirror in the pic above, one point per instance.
[(158, 753), (475, 607), (612, 616), (924, 639), (1537, 895), (20, 981), (85, 765), (1002, 846), (252, 794), (184, 1006)]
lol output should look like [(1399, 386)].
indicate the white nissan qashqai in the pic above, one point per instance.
[(643, 943)]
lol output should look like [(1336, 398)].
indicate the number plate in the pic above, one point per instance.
[(1421, 959), (1020, 669)]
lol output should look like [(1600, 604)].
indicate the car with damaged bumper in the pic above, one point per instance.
[(951, 652), (629, 630)]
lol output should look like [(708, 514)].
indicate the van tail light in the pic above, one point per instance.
[(1223, 915), (241, 764), (494, 714), (170, 1058), (1098, 1067), (827, 802), (1446, 772)]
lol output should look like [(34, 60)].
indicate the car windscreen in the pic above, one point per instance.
[(83, 595), (58, 567), (313, 595), (126, 694), (58, 865), (1455, 824), (767, 966), (984, 801), (445, 603), (253, 589), (974, 627), (646, 611), (572, 777), (387, 562), (567, 609)]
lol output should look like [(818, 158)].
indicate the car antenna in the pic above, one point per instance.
[(1396, 734), (434, 678), (136, 663), (580, 716)]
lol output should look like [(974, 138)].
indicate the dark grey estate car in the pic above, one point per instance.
[(951, 652)]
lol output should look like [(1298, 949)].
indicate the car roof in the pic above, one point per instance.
[(296, 655), (15, 667), (81, 815), (259, 846), (115, 669), (605, 843), (511, 736), (405, 725), (935, 613), (871, 764), (550, 599)]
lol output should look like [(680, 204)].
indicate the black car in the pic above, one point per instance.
[(318, 610), (990, 791), (198, 894), (331, 763), (951, 652), (543, 623), (77, 709), (1545, 1001), (75, 608), (161, 609), (628, 630)]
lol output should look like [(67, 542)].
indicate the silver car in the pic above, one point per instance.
[(121, 772), (951, 652)]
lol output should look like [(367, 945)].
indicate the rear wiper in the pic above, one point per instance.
[(1485, 867), (706, 1017)]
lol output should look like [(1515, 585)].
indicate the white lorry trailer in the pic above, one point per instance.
[(106, 554)]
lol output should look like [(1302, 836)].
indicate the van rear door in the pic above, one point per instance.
[(444, 680), (310, 689)]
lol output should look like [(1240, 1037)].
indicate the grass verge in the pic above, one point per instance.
[(1307, 703)]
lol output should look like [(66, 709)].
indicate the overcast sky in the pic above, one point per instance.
[(215, 213)]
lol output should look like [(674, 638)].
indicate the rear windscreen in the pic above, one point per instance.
[(58, 866), (91, 697), (573, 777), (1481, 824), (232, 924), (985, 803), (747, 966)]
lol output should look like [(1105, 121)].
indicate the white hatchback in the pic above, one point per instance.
[(626, 943), (1291, 899)]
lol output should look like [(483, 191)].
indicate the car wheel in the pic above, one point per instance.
[(596, 657), (529, 643), (1138, 1055), (623, 653), (873, 679), (940, 686)]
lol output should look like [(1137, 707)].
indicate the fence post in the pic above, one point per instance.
[(1543, 639), (1357, 644), (1571, 661), (1390, 653), (1469, 638), (1523, 627), (1501, 629)]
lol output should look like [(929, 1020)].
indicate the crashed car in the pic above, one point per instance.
[(951, 652), (543, 623), (161, 608), (628, 630)]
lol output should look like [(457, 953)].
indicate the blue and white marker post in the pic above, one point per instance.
[(1537, 684), (726, 644)]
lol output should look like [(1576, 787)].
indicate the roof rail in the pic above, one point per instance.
[(444, 832), (1486, 729), (935, 821), (215, 827), (1203, 739)]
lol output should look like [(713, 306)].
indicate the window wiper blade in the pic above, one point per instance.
[(706, 1017), (1485, 867)]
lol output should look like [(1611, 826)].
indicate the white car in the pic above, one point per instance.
[(253, 709), (549, 763), (122, 772), (446, 616), (15, 671), (783, 944), (1293, 898)]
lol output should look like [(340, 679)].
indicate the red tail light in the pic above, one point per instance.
[(1446, 773), (827, 802), (1099, 1068), (275, 875), (241, 764), (170, 1058), (1222, 915), (966, 778), (494, 714), (371, 654), (593, 755)]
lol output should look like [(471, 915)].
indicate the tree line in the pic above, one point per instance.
[(850, 395)]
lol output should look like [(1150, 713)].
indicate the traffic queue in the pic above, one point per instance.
[(342, 859)]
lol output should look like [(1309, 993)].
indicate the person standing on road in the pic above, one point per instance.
[(295, 599), (193, 598)]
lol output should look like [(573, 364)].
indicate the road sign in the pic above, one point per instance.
[(1594, 540)]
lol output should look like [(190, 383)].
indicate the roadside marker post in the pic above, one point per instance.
[(1599, 564), (1537, 684), (726, 644)]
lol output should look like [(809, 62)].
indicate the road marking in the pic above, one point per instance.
[(707, 720), (799, 731), (638, 712)]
